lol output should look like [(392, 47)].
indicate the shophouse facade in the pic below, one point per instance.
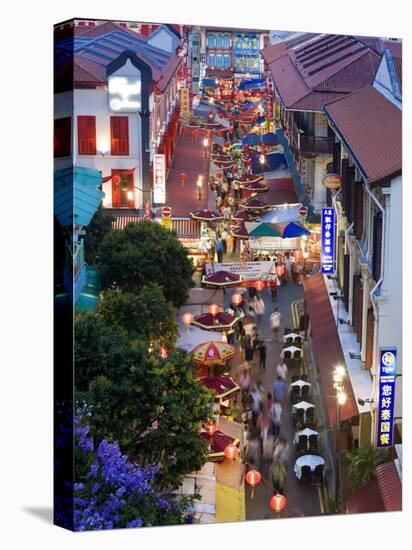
[(116, 109)]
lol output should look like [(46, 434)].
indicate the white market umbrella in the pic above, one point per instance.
[(280, 215), (306, 431), (304, 405), (191, 336)]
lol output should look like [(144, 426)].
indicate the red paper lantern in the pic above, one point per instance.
[(213, 309), (163, 353), (227, 144), (187, 318), (259, 285), (234, 169), (196, 132), (210, 113), (231, 452), (182, 178), (218, 175), (116, 180), (237, 299), (184, 129), (253, 478), (278, 503), (207, 133)]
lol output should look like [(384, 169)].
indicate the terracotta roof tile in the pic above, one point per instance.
[(371, 126), (390, 486)]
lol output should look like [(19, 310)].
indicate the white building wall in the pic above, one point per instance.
[(163, 40), (321, 125)]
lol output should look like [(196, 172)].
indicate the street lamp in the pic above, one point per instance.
[(206, 146), (199, 187), (338, 377)]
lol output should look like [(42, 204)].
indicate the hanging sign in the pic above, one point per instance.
[(167, 217), (159, 174), (332, 181), (328, 240), (250, 271), (185, 104), (387, 376)]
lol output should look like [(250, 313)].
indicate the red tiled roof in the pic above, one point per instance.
[(398, 67), (371, 126), (390, 486), (327, 347), (330, 64), (167, 72), (189, 158), (271, 53), (379, 44), (368, 499)]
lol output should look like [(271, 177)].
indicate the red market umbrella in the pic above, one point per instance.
[(218, 443), (249, 178), (240, 232), (256, 187), (255, 204), (221, 385), (222, 279), (206, 215), (220, 322), (244, 216)]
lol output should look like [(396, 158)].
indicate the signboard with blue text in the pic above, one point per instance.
[(328, 240), (386, 396)]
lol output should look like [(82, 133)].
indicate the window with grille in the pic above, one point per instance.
[(86, 135), (119, 135)]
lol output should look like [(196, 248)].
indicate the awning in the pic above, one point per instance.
[(272, 162), (368, 499), (326, 347), (390, 486), (210, 83)]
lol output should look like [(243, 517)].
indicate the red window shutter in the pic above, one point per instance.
[(358, 210), (119, 135), (86, 130)]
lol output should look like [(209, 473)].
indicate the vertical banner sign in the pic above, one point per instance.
[(328, 240), (159, 174), (387, 375), (185, 105)]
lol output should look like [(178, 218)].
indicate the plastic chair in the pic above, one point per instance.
[(319, 474), (303, 377), (295, 394), (310, 415), (289, 341), (298, 418), (298, 341), (302, 444), (305, 392), (306, 474), (313, 442), (295, 378), (296, 354), (287, 355), (287, 331)]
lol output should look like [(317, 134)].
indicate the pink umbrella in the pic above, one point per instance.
[(206, 215), (240, 232), (222, 279), (255, 204), (221, 321), (245, 216), (256, 187), (248, 179)]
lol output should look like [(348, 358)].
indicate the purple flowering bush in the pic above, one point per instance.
[(111, 492)]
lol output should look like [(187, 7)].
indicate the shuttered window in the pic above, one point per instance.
[(119, 135), (86, 135), (369, 338), (377, 247), (62, 137)]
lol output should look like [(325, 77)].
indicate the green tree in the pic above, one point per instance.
[(147, 315), (153, 407), (143, 253), (361, 464), (100, 226)]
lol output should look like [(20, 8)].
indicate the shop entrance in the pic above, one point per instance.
[(122, 191)]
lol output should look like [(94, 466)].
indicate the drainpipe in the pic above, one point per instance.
[(374, 306)]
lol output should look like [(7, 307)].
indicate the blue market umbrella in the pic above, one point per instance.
[(272, 162), (251, 139), (291, 230)]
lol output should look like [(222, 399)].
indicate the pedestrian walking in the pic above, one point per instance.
[(276, 417), (244, 384), (278, 477), (259, 307), (257, 404), (279, 389), (249, 351), (253, 449), (267, 450), (281, 450), (262, 355), (282, 369), (275, 323), (273, 286), (219, 250)]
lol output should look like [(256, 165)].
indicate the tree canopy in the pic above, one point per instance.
[(100, 226), (143, 253), (152, 406)]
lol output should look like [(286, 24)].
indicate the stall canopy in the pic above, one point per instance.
[(282, 215), (327, 347), (210, 83), (255, 139), (252, 84), (190, 337), (272, 162)]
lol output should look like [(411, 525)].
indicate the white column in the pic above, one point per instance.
[(365, 305), (319, 190)]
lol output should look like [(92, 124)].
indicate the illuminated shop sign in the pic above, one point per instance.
[(159, 184), (125, 94), (387, 377), (328, 240)]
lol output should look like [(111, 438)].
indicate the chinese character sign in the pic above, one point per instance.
[(185, 104), (328, 240), (159, 174), (387, 375)]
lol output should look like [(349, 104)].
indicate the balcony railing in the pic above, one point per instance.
[(315, 144)]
